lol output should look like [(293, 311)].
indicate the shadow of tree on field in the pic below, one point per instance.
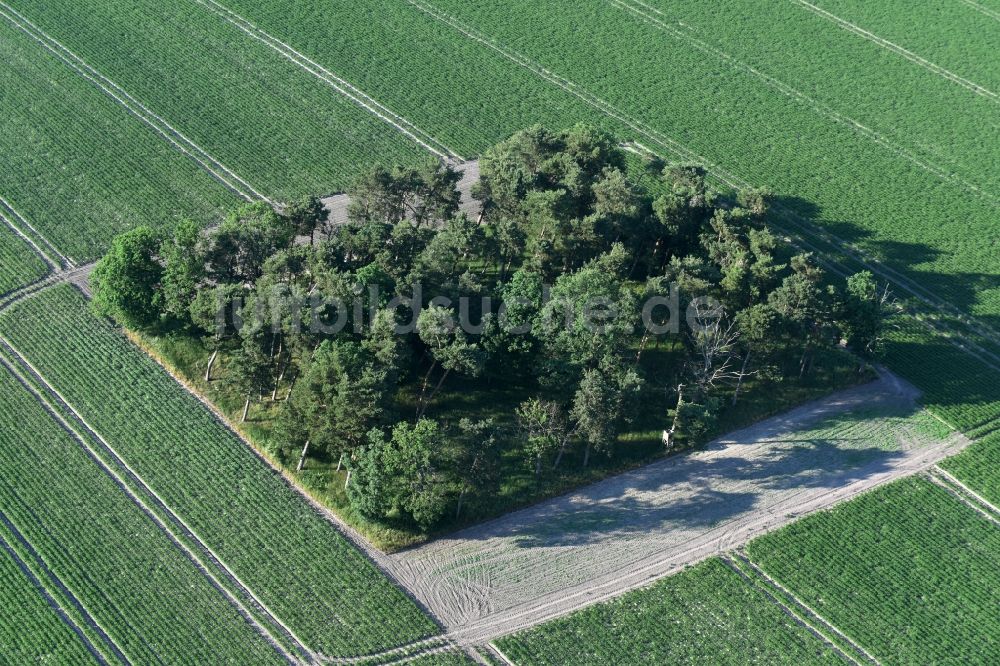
[(699, 492), (961, 289)]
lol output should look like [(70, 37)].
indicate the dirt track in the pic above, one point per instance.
[(623, 532)]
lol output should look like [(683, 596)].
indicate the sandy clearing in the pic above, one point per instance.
[(625, 531)]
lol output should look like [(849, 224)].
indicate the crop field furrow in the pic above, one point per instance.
[(294, 560), (895, 48), (78, 166), (925, 120), (249, 107), (34, 627), (218, 171), (107, 552), (360, 98), (19, 263), (908, 571), (153, 507)]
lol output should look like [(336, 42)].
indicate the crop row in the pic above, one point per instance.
[(31, 630), (907, 571), (707, 614), (292, 558), (926, 114), (979, 467), (274, 124), (954, 35), (80, 167), (956, 386), (153, 603), (19, 264)]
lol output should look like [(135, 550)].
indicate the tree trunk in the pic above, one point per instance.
[(434, 393), (538, 467), (559, 456), (423, 388), (302, 458), (347, 481), (340, 462), (211, 362), (281, 372), (739, 381), (586, 455), (246, 410), (461, 501), (642, 346)]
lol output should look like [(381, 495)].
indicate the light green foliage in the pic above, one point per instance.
[(293, 559), (707, 614), (906, 571), (126, 280), (19, 264), (107, 552), (31, 631)]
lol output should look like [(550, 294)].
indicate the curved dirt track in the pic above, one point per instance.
[(626, 531)]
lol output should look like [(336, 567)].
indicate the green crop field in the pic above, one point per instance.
[(707, 614), (292, 558), (730, 116), (979, 467), (908, 179), (955, 35), (19, 265), (283, 130), (906, 571), (31, 630), (77, 165), (876, 125), (105, 551)]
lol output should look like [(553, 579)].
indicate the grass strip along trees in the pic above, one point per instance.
[(556, 308)]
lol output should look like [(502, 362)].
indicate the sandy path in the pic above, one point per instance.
[(625, 531)]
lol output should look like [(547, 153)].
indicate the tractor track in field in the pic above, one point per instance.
[(131, 484), (53, 266), (797, 609), (221, 173), (52, 602), (346, 89), (985, 11), (963, 494), (648, 14), (772, 595), (899, 50)]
